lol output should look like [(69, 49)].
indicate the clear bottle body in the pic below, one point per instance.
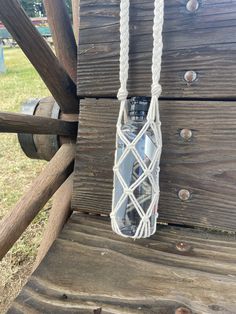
[(127, 216)]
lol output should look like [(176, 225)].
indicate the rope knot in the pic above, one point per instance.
[(122, 94), (112, 215), (115, 168), (147, 172), (156, 90), (131, 146), (128, 192), (145, 219)]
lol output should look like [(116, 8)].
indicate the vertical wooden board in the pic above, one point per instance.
[(204, 165), (203, 41), (95, 154)]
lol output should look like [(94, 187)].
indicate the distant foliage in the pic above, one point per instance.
[(69, 7), (35, 8)]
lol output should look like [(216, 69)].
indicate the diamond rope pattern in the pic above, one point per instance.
[(136, 182)]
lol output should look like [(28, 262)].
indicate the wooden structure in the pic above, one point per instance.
[(189, 266)]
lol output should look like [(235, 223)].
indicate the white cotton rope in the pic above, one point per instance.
[(153, 121)]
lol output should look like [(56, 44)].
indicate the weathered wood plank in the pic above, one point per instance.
[(203, 41), (89, 268), (210, 14), (204, 165)]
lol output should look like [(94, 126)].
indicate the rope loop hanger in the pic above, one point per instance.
[(127, 206)]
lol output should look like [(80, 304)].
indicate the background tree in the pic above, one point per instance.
[(69, 7), (35, 8)]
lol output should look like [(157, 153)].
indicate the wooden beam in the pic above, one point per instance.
[(38, 194), (59, 213), (63, 36), (75, 12), (23, 123), (40, 55)]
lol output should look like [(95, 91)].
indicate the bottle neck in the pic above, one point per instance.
[(138, 109)]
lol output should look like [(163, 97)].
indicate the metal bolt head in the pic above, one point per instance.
[(190, 76), (183, 246), (183, 310), (184, 195), (192, 5), (186, 134)]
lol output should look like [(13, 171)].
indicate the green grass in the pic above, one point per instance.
[(18, 84)]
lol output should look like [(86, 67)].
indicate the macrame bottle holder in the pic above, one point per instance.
[(150, 172)]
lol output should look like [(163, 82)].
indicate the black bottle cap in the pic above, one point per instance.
[(138, 108)]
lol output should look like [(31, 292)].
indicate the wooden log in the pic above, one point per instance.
[(40, 191), (63, 35), (59, 213), (203, 164), (89, 268), (41, 56), (76, 14), (203, 41), (23, 123)]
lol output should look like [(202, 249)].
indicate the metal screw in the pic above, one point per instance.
[(190, 76), (183, 247), (186, 134), (183, 310), (184, 195), (192, 5)]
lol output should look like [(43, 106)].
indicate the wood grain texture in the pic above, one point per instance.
[(37, 195), (63, 35), (203, 41), (23, 123), (205, 165), (76, 18), (88, 269), (59, 213), (40, 55)]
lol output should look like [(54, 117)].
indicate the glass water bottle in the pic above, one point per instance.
[(130, 170)]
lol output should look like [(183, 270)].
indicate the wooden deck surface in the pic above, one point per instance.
[(91, 270)]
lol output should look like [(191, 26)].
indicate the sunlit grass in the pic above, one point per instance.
[(19, 83)]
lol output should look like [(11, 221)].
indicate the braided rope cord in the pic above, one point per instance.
[(153, 122)]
